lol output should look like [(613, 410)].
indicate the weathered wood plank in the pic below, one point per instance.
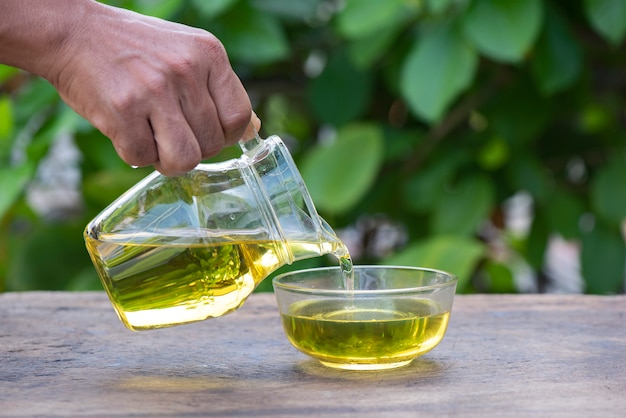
[(66, 354)]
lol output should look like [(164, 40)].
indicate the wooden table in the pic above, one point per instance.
[(66, 354)]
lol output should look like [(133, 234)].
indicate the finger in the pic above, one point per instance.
[(202, 117), (177, 146), (133, 140), (253, 128), (232, 104)]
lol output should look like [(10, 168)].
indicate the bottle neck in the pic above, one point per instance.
[(285, 203)]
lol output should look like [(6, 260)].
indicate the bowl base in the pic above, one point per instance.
[(366, 366)]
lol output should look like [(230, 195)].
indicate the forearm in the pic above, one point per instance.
[(33, 32), (163, 92)]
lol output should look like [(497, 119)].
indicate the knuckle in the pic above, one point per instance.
[(156, 83), (181, 159), (136, 154), (236, 121), (123, 100), (234, 124), (184, 67), (181, 165), (212, 147), (213, 47), (203, 49)]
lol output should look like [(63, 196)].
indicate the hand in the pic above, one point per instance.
[(164, 93)]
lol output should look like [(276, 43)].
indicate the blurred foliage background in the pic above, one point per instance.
[(483, 137)]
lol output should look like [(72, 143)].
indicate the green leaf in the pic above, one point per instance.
[(499, 277), (281, 117), (526, 173), (457, 255), (518, 114), (6, 72), (251, 36), (34, 97), (164, 9), (494, 153), (103, 187), (56, 265), (13, 180), (608, 194), (440, 66), (341, 93), (339, 174), (602, 259), (503, 29), (425, 188), (438, 7), (608, 18), (557, 61), (6, 121), (301, 10), (365, 51), (64, 122), (401, 142), (365, 17), (537, 242), (594, 117), (98, 153), (563, 213), (462, 210), (213, 8)]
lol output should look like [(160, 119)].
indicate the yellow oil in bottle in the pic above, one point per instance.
[(155, 286), (370, 336)]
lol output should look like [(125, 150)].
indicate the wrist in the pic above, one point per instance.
[(34, 34)]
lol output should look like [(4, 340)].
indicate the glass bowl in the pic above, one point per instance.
[(391, 316)]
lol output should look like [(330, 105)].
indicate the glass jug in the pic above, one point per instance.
[(173, 250)]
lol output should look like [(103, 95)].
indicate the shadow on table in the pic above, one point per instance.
[(308, 371), (421, 368)]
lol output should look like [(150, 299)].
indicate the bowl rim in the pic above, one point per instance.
[(453, 280)]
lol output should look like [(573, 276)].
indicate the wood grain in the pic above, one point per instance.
[(67, 354)]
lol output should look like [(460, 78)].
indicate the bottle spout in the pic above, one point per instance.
[(333, 243), (328, 235), (319, 240)]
